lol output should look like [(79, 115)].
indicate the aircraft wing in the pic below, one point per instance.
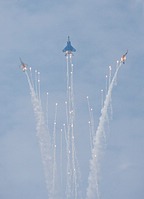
[(73, 49)]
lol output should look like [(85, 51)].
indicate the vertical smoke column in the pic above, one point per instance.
[(93, 187), (43, 136), (72, 163)]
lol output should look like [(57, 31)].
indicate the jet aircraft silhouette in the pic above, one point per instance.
[(23, 66), (69, 49), (123, 58)]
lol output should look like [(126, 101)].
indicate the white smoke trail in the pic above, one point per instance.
[(110, 106), (93, 180), (68, 132), (72, 116), (72, 163), (106, 86), (47, 110), (54, 153), (118, 62), (91, 123), (68, 153), (39, 88), (102, 98), (36, 82), (31, 77), (110, 75), (43, 138), (61, 157)]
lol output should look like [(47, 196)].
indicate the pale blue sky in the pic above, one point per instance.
[(101, 31)]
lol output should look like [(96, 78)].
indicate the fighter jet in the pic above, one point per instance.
[(69, 49), (23, 66), (123, 58)]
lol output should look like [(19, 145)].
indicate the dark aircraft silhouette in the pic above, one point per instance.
[(69, 49), (123, 58), (23, 66)]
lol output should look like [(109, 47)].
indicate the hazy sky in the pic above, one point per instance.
[(101, 31)]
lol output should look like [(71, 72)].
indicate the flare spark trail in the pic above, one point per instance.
[(72, 162), (43, 137), (54, 152), (91, 123), (93, 180)]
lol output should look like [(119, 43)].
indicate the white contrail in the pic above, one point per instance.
[(43, 137), (93, 180)]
